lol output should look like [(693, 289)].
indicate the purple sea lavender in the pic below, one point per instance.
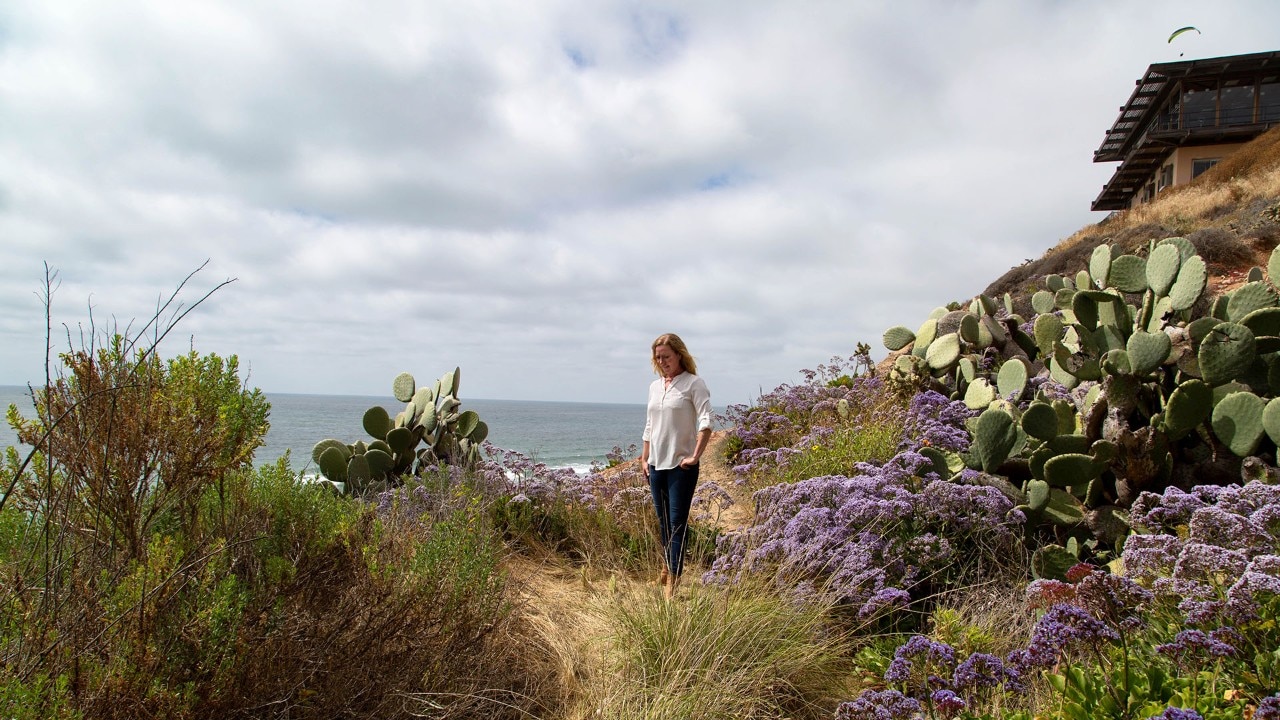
[(979, 670), (934, 420), (1215, 525), (1115, 600), (1268, 709), (1149, 557), (879, 705), (1192, 648), (1164, 513), (1209, 563), (1174, 713), (855, 537), (884, 599), (921, 664), (1246, 595), (946, 702), (1065, 628)]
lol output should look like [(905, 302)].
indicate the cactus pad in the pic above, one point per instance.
[(377, 422), (1071, 470), (1128, 274), (924, 337), (1237, 422), (1186, 249), (1063, 508), (1147, 351), (333, 464), (1226, 351), (1263, 321), (1051, 562), (979, 395), (1100, 265), (969, 328), (1037, 494), (1040, 421), (402, 387), (994, 437), (1271, 420), (943, 352), (1248, 298), (1012, 379), (898, 337), (323, 445), (1162, 268)]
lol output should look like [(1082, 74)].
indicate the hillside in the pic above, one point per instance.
[(1231, 213)]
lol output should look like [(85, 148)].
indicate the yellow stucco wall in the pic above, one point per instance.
[(1182, 158)]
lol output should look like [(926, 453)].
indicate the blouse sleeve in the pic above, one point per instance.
[(701, 403), (648, 417)]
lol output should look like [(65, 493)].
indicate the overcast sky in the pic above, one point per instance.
[(535, 189)]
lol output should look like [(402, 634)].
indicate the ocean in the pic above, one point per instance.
[(559, 434)]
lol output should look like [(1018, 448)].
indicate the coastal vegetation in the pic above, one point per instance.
[(1056, 499)]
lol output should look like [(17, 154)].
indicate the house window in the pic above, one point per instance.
[(1166, 177), (1237, 105), (1269, 102), (1199, 165), (1199, 108)]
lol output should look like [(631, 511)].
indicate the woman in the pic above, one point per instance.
[(676, 430)]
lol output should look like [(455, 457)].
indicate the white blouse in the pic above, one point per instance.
[(676, 414)]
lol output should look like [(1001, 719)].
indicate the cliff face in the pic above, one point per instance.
[(1231, 213)]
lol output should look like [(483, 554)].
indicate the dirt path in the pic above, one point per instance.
[(565, 607)]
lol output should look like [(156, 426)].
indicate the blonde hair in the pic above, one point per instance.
[(674, 342)]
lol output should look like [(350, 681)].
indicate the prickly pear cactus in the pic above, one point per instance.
[(430, 432), (1168, 387)]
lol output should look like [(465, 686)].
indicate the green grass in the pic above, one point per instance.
[(838, 453)]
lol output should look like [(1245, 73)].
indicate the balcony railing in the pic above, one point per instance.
[(1225, 117)]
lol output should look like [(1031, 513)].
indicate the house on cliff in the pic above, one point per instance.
[(1182, 118)]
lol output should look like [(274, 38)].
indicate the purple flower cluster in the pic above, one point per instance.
[(1174, 713), (947, 703), (921, 664), (785, 421), (1192, 647), (1268, 709), (925, 675), (879, 705), (859, 538), (1115, 600), (980, 670), (1213, 551), (1067, 628), (936, 421)]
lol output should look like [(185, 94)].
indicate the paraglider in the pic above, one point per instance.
[(1181, 31)]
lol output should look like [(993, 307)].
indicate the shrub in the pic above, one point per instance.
[(825, 426), (1189, 631), (874, 541)]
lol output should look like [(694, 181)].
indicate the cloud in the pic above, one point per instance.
[(534, 190)]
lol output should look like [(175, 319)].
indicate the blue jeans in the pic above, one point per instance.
[(672, 496)]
